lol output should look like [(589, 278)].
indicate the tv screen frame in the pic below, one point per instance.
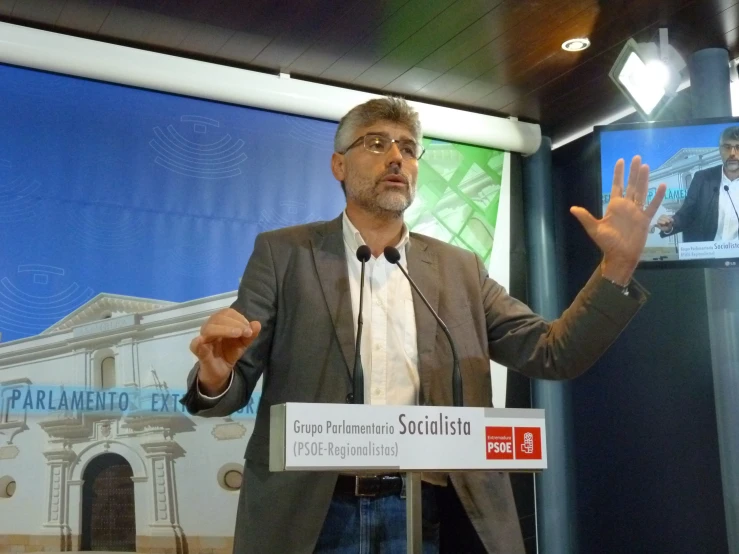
[(606, 177)]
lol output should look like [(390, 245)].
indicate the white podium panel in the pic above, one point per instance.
[(349, 437)]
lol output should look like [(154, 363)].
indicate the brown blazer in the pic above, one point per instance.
[(296, 284)]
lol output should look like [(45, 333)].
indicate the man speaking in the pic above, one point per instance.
[(709, 212), (293, 324)]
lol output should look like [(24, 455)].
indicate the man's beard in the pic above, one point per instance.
[(377, 199), (734, 165)]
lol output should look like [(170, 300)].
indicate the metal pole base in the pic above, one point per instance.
[(414, 532)]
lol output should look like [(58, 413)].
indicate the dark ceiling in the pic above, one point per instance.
[(493, 56)]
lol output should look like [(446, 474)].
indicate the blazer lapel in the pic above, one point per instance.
[(423, 269), (330, 258), (711, 219)]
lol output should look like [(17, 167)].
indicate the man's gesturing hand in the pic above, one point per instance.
[(223, 339)]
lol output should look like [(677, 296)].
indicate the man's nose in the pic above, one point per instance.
[(394, 155)]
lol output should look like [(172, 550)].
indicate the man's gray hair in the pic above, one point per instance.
[(730, 133), (389, 108)]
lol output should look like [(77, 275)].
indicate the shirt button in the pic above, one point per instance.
[(377, 392), (377, 347)]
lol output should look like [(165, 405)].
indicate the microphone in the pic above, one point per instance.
[(363, 255), (393, 256), (726, 188)]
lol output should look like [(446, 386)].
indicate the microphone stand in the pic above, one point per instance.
[(363, 255)]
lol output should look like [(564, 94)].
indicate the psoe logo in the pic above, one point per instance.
[(499, 442), (513, 443), (528, 443)]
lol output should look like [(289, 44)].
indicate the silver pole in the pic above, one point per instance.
[(414, 532)]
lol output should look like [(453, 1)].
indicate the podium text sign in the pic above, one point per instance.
[(365, 438), (370, 439)]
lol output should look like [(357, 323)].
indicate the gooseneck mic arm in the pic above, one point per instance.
[(363, 255), (393, 256), (726, 188)]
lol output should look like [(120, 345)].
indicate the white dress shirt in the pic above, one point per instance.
[(728, 223), (389, 350)]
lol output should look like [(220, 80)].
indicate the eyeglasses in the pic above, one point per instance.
[(380, 144), (730, 147)]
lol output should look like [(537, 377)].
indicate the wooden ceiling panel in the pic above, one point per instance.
[(43, 11), (472, 92), (504, 17), (594, 69), (243, 47), (520, 39), (444, 85), (560, 92), (496, 56), (411, 17), (463, 84), (351, 28), (6, 7), (501, 98), (84, 16), (727, 22), (731, 39), (206, 39), (543, 64), (229, 14), (168, 32), (449, 23), (413, 80), (544, 59), (545, 55), (600, 99), (314, 18), (127, 23)]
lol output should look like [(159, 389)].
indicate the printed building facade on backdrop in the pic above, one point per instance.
[(116, 255), (164, 465)]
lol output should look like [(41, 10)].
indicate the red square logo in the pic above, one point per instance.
[(528, 443), (499, 443)]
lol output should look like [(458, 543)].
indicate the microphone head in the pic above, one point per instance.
[(726, 188), (392, 255), (364, 253)]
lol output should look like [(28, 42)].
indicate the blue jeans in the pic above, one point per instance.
[(376, 525)]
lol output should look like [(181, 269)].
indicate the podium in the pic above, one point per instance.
[(367, 439)]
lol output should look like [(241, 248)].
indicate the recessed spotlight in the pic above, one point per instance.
[(575, 44)]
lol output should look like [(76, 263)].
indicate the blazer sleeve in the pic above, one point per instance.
[(685, 216), (257, 301), (566, 347)]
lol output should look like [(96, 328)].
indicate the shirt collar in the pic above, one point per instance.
[(725, 180), (353, 238)]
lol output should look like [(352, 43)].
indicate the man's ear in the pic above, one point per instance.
[(338, 167)]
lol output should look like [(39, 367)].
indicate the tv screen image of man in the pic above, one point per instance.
[(709, 212), (293, 323)]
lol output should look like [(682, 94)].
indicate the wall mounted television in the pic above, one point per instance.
[(697, 224)]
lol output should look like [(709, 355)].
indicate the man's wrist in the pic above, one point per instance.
[(617, 273), (211, 389)]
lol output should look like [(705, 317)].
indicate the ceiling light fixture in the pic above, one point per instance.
[(576, 44), (648, 74)]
